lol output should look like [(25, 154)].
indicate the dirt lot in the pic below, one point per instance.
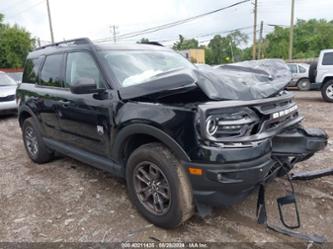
[(66, 200)]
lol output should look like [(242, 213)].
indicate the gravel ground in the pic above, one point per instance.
[(66, 200)]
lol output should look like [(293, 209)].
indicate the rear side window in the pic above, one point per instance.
[(301, 69), (31, 69), (292, 68), (51, 74), (328, 59)]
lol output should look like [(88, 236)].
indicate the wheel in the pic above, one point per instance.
[(34, 145), (158, 186), (327, 91), (304, 85)]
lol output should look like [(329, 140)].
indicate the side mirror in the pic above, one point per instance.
[(84, 86)]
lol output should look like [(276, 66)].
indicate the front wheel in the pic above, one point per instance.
[(327, 91), (33, 142), (158, 186)]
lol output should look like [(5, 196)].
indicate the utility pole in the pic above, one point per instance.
[(261, 45), (50, 20), (291, 34), (114, 32), (254, 47)]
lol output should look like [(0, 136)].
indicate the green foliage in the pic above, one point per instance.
[(225, 49), (143, 40), (15, 44), (183, 44), (309, 38)]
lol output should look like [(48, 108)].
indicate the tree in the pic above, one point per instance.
[(225, 49), (15, 44), (309, 38), (143, 40), (183, 44)]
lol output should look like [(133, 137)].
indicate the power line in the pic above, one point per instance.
[(173, 24)]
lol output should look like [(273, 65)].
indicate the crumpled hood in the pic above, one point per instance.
[(246, 80)]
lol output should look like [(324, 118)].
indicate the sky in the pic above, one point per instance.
[(93, 19)]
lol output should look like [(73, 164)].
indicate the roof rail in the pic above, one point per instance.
[(77, 41), (152, 43)]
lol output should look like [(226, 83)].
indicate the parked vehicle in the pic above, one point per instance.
[(321, 74), (17, 76), (181, 136), (7, 94), (300, 76)]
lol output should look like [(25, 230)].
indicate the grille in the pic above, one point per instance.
[(7, 98), (267, 111)]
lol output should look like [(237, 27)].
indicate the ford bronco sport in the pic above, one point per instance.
[(181, 135)]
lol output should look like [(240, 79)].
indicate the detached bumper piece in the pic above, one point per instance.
[(289, 199), (310, 175)]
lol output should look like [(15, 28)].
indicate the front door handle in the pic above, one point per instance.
[(64, 103)]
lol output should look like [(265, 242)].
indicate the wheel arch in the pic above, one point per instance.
[(303, 78), (24, 113), (135, 135), (327, 78)]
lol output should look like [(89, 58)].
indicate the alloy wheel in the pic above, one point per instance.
[(152, 188), (31, 141), (329, 91)]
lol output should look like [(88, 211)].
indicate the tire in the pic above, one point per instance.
[(160, 164), (327, 91), (33, 143), (304, 85), (313, 71)]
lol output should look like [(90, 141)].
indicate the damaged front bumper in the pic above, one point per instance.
[(224, 184), (231, 173)]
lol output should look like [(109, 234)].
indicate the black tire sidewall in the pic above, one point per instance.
[(323, 91), (43, 155), (174, 215)]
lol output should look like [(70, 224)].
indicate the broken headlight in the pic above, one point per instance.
[(230, 123)]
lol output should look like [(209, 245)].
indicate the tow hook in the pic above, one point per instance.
[(290, 199)]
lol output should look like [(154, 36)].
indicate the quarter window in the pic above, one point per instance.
[(31, 69), (81, 65), (51, 74), (328, 59)]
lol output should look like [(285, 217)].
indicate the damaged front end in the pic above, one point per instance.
[(249, 143)]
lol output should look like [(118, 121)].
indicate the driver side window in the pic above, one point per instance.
[(81, 65)]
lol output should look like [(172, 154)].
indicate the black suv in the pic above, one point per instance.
[(181, 135)]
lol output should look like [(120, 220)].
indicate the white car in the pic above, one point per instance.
[(300, 76), (7, 94), (321, 74)]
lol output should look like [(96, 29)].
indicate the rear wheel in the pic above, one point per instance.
[(34, 145), (304, 85), (158, 186), (327, 91)]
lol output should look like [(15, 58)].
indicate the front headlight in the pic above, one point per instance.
[(230, 123)]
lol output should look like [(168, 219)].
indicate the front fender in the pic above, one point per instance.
[(22, 113), (144, 129)]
